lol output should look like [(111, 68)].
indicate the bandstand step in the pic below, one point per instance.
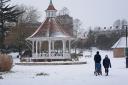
[(50, 63)]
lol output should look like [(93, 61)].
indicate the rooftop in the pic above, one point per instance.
[(121, 43)]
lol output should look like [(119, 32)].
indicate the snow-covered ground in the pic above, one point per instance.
[(68, 74)]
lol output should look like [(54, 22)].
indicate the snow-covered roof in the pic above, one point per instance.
[(121, 43)]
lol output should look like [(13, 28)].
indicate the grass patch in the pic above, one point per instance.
[(42, 74)]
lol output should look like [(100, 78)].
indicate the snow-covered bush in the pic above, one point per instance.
[(6, 62)]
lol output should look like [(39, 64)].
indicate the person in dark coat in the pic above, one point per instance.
[(106, 64), (97, 59)]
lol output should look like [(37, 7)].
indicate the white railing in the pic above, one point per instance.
[(52, 56)]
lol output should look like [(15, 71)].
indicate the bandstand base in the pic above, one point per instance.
[(50, 63), (32, 59), (43, 60)]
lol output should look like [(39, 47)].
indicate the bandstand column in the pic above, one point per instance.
[(49, 48), (52, 45), (69, 46), (40, 50), (33, 42), (64, 45), (36, 48)]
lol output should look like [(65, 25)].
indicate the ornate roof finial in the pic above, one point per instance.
[(50, 1)]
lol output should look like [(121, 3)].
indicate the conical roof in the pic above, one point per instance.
[(51, 7), (50, 28)]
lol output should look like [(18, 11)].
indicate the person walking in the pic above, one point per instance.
[(97, 59), (106, 64)]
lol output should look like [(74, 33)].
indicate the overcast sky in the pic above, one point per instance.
[(90, 12)]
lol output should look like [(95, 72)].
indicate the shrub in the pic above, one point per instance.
[(1, 77), (6, 62)]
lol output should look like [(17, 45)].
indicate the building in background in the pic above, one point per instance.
[(119, 48)]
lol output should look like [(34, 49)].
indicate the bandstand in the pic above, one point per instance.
[(45, 38)]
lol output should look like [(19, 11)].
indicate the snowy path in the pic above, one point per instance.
[(68, 74)]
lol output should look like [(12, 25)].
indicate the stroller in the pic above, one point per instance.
[(97, 69)]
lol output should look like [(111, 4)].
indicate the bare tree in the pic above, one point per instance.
[(119, 23), (31, 14), (124, 22), (28, 18), (77, 26), (64, 11)]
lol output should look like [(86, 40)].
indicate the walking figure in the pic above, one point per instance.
[(97, 59), (106, 64)]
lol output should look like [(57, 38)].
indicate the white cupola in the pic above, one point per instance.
[(51, 11)]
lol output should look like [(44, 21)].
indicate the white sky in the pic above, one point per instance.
[(90, 12)]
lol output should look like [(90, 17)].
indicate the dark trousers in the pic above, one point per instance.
[(106, 71)]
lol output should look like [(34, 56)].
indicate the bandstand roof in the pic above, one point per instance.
[(50, 28)]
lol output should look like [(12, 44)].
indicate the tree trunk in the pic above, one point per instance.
[(2, 38)]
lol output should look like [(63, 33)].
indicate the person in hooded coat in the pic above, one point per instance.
[(106, 64)]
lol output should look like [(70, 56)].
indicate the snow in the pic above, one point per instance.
[(14, 55), (68, 74)]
